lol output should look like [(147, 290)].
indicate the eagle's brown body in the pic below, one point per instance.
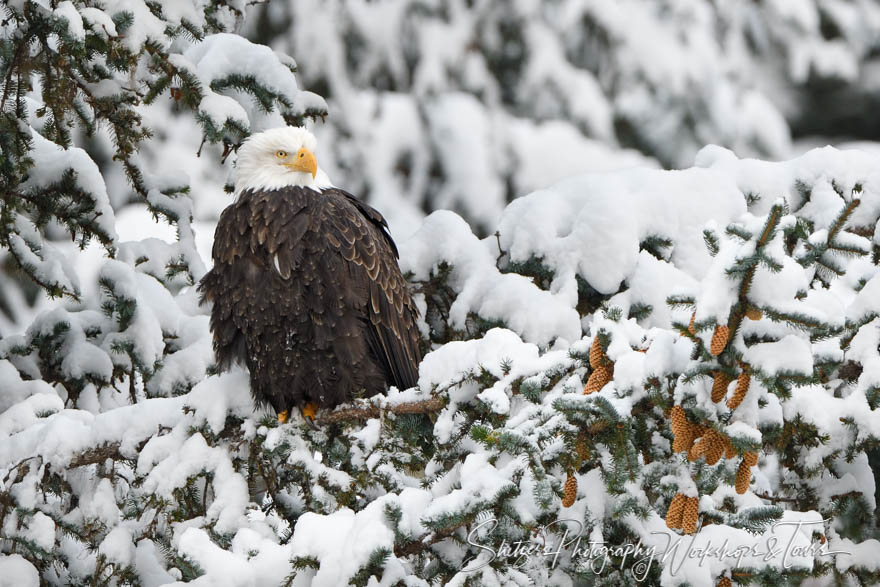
[(307, 293)]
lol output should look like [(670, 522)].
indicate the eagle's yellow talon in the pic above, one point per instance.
[(282, 417), (309, 410)]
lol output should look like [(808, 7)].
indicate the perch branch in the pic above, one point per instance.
[(435, 404)]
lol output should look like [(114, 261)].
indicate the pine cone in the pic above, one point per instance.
[(596, 353), (677, 419), (582, 447), (743, 476), (729, 451), (675, 511), (719, 386), (716, 447), (684, 440), (690, 515), (724, 582), (691, 328), (569, 491), (699, 448), (742, 387), (598, 378), (753, 313), (719, 339), (751, 458)]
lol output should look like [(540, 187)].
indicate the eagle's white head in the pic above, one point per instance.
[(278, 158)]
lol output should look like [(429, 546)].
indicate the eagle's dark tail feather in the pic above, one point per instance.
[(401, 371)]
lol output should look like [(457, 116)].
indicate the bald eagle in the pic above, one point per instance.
[(305, 288)]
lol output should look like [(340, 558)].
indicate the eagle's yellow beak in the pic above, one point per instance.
[(304, 160)]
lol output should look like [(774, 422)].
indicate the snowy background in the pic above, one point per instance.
[(601, 139), (466, 106)]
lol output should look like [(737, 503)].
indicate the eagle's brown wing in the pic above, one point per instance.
[(371, 275), (359, 233), (249, 231)]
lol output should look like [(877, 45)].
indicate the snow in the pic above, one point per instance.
[(219, 56), (459, 123), (118, 546), (51, 162), (345, 540), (40, 529), (791, 354), (15, 571), (100, 21), (445, 237), (446, 364), (862, 555), (67, 11), (150, 27), (592, 225), (16, 392), (481, 484), (866, 303), (227, 569)]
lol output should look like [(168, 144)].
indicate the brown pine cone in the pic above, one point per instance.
[(742, 388), (690, 515), (751, 458), (753, 313), (684, 440), (598, 379), (743, 476), (582, 447), (729, 451), (569, 491), (691, 328), (724, 582), (716, 447), (676, 509), (596, 353), (719, 386), (699, 448), (677, 419), (719, 339)]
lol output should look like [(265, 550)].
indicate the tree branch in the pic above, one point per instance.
[(776, 499), (435, 404), (417, 546), (98, 454)]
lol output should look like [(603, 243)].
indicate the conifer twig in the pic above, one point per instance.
[(776, 499), (417, 546)]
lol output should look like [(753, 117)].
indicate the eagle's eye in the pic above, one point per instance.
[(281, 154)]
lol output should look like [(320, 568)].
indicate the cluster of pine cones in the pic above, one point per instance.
[(697, 440), (703, 441)]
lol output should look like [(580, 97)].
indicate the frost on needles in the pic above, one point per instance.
[(725, 320)]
